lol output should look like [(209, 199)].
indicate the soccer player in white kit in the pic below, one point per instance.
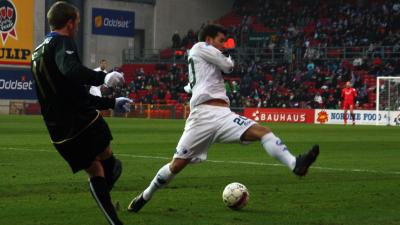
[(96, 90), (211, 119)]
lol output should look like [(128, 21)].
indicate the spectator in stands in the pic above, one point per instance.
[(331, 103), (228, 88), (318, 102), (176, 40), (312, 28), (102, 66)]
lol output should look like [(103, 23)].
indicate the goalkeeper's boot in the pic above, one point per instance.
[(304, 161), (137, 203)]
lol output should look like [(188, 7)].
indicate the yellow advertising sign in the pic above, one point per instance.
[(16, 31)]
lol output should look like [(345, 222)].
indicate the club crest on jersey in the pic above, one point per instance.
[(8, 20)]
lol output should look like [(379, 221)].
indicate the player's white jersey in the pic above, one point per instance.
[(95, 90), (205, 78)]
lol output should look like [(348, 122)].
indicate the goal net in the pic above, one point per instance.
[(388, 101)]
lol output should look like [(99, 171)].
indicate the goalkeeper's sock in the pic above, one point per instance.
[(162, 178), (112, 170), (99, 189), (277, 149)]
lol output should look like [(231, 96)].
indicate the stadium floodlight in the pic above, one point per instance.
[(387, 100)]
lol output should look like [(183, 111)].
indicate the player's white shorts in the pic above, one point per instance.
[(208, 124)]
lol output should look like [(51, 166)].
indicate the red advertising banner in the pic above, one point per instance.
[(280, 115)]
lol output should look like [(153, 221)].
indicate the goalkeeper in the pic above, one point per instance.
[(77, 130)]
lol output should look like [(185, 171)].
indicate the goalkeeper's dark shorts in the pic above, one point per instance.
[(81, 151)]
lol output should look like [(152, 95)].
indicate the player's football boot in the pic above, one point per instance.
[(304, 161), (137, 203)]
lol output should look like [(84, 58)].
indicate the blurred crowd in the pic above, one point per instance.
[(313, 81)]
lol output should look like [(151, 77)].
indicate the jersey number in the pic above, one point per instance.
[(240, 120), (192, 73)]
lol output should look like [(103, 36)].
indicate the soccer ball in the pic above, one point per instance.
[(235, 196)]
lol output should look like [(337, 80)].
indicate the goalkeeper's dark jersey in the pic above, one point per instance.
[(60, 79)]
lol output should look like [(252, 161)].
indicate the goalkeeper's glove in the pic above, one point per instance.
[(122, 105), (114, 79)]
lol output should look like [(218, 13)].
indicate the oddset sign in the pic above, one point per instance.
[(17, 84)]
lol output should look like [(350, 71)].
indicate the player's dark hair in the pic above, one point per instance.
[(60, 13), (211, 30)]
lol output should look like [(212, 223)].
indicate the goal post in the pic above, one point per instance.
[(388, 101)]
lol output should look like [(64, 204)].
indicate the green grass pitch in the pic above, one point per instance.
[(356, 179)]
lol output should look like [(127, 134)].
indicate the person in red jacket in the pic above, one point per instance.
[(348, 94)]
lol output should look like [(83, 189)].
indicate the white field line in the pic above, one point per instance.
[(219, 161)]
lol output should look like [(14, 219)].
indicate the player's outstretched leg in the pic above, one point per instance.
[(304, 161), (162, 178), (112, 170), (277, 149)]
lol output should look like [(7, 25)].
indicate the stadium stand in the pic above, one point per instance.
[(316, 46)]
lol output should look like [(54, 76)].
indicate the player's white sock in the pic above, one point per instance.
[(162, 178), (277, 149)]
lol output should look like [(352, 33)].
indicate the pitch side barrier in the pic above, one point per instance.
[(321, 116), (280, 115), (283, 115), (363, 117)]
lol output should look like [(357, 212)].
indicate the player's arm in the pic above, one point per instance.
[(215, 56), (354, 92), (102, 103), (120, 104), (68, 63)]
